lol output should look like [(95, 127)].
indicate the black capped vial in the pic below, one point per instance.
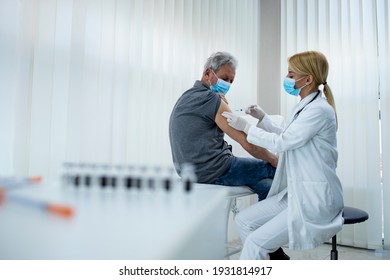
[(103, 181), (167, 184), (128, 182), (188, 176), (187, 185)]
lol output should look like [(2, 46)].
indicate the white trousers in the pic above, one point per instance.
[(263, 228)]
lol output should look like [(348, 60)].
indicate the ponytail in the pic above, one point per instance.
[(330, 99)]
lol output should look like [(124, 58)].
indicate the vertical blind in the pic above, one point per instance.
[(95, 80), (354, 35), (383, 25)]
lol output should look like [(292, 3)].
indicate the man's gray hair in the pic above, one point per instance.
[(216, 60)]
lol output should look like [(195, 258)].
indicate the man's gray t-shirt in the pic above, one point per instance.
[(195, 137)]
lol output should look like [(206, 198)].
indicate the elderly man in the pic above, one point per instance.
[(196, 131)]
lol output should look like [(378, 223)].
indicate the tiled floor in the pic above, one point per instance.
[(323, 253)]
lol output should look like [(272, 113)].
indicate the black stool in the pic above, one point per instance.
[(351, 216)]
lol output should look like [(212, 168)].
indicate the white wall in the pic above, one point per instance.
[(269, 87), (95, 81)]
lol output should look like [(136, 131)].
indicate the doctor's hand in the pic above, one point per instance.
[(256, 112), (236, 122)]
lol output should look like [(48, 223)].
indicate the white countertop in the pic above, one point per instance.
[(115, 224)]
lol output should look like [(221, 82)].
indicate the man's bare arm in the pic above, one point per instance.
[(240, 137)]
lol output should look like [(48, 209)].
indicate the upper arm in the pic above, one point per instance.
[(241, 137), (222, 123)]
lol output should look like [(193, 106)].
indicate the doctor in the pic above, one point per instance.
[(304, 206)]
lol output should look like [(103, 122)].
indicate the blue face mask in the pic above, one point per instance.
[(289, 86), (221, 86)]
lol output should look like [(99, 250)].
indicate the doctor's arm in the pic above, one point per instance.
[(297, 134), (240, 137), (264, 121)]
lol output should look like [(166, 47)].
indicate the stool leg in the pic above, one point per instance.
[(333, 252)]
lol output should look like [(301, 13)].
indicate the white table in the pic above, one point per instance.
[(116, 224)]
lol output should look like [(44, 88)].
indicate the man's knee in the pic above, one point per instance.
[(262, 188)]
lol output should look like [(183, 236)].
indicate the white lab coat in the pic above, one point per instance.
[(306, 171)]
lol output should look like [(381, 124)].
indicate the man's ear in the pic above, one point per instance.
[(207, 72)]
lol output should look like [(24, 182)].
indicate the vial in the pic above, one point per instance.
[(128, 177), (104, 178), (66, 176), (118, 176), (188, 176), (89, 176)]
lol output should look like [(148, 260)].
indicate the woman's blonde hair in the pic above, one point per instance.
[(313, 63)]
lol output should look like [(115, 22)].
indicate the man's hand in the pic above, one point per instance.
[(236, 122)]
